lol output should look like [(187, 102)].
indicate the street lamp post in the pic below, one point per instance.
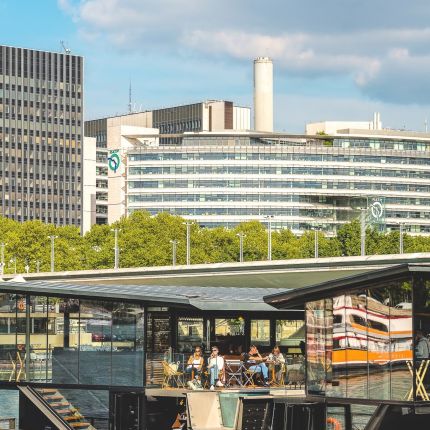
[(174, 245), (269, 219), (13, 261), (52, 237), (2, 246), (401, 238), (363, 232), (241, 237), (316, 244), (188, 224), (37, 266), (116, 249)]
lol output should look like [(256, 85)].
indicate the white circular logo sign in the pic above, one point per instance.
[(377, 210)]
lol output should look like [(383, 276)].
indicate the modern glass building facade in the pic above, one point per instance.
[(41, 132), (303, 182)]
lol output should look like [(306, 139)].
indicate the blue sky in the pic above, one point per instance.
[(338, 59)]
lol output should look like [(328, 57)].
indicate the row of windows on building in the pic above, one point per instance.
[(46, 219), (41, 205), (263, 211), (25, 91), (42, 65), (42, 119), (279, 183), (38, 176), (19, 189), (37, 162), (179, 127), (275, 170), (273, 197), (57, 105), (41, 146), (39, 133), (40, 87), (274, 156)]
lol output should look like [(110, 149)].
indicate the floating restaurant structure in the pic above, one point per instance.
[(89, 356), (367, 346)]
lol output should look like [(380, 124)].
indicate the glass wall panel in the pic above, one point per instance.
[(230, 334), (63, 339), (316, 346), (338, 388), (260, 332), (127, 344), (356, 344), (19, 358), (7, 336), (379, 315), (39, 360), (190, 333), (401, 339), (95, 342)]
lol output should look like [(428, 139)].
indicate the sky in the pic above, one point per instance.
[(333, 59)]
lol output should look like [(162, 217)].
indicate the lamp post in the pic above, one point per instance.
[(2, 246), (316, 244), (52, 237), (37, 266), (363, 232), (188, 224), (174, 243), (401, 226), (269, 219), (241, 237), (13, 261), (116, 249)]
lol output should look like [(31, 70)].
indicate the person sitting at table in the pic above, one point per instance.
[(215, 367), (195, 363), (277, 362), (257, 363)]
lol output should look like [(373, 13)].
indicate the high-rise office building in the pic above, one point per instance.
[(41, 135)]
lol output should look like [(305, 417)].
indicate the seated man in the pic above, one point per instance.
[(277, 360), (215, 366), (195, 363), (256, 363)]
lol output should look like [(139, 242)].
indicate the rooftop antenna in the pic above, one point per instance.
[(66, 50), (130, 107)]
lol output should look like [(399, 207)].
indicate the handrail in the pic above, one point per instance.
[(30, 392)]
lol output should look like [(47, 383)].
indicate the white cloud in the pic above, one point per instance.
[(384, 51)]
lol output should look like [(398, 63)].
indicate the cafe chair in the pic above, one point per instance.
[(172, 376)]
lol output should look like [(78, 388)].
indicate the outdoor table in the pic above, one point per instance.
[(234, 370), (421, 372)]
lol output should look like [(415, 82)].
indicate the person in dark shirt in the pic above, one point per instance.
[(257, 364)]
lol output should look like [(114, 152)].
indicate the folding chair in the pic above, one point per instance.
[(170, 375)]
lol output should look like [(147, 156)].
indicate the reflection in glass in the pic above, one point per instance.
[(95, 342), (380, 314), (316, 347), (290, 332), (190, 333), (127, 344), (339, 342), (7, 336), (230, 334), (401, 340), (260, 332), (63, 339)]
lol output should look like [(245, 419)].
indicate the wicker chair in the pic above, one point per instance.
[(172, 377)]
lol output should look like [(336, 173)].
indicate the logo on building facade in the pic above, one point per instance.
[(376, 213), (114, 161)]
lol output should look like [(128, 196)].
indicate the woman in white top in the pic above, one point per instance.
[(215, 366), (195, 363), (277, 360)]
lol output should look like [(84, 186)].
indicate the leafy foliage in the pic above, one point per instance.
[(145, 240)]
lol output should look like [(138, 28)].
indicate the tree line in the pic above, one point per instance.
[(145, 240)]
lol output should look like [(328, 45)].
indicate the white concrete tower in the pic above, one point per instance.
[(263, 94)]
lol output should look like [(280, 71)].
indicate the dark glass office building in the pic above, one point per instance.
[(41, 133)]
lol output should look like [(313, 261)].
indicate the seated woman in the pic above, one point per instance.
[(277, 361), (195, 363), (257, 364), (215, 367)]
